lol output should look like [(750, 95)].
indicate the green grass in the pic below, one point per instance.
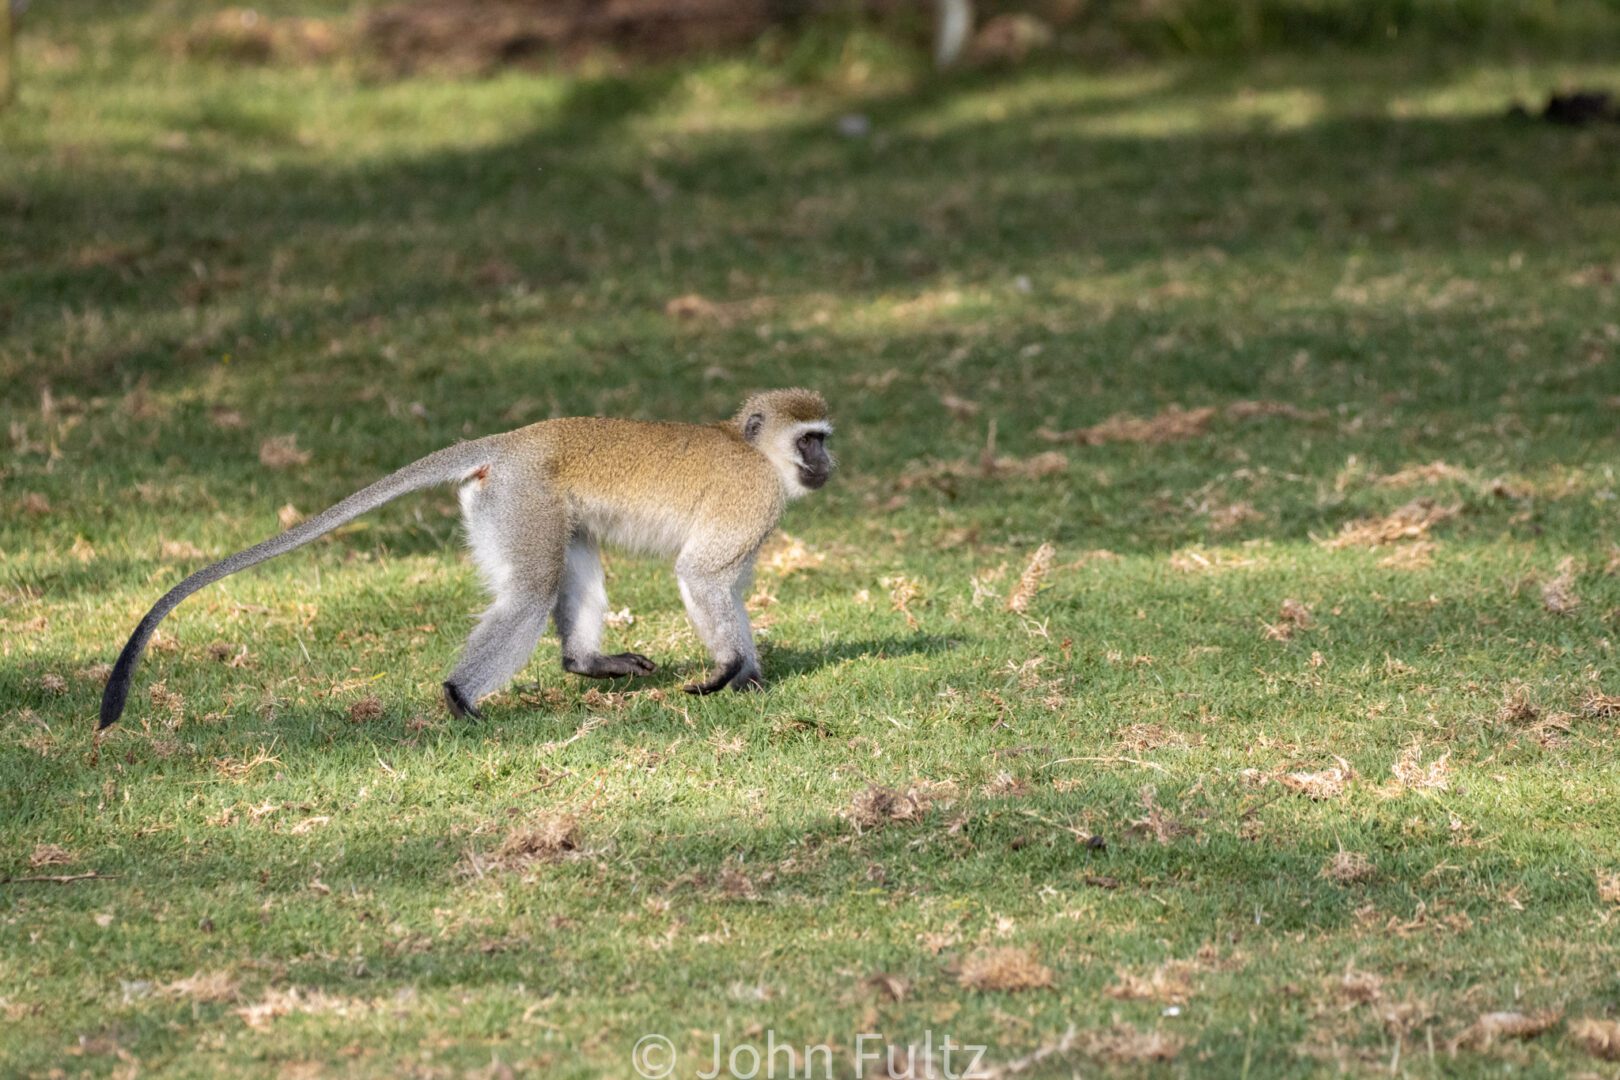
[(380, 268)]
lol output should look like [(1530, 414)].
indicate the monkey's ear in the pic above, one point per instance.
[(752, 426)]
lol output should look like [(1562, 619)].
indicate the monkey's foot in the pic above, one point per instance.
[(610, 667), (460, 707), (734, 675)]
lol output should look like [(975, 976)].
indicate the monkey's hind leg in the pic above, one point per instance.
[(521, 560), (582, 606), (496, 650), (715, 605)]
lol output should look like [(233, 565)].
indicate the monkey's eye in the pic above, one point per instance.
[(810, 440)]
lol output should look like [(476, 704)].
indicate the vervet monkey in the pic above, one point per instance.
[(538, 501)]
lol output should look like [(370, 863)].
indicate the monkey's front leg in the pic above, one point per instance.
[(714, 604)]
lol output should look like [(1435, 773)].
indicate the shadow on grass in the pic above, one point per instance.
[(576, 201)]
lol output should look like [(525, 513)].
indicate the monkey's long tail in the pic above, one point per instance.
[(443, 467)]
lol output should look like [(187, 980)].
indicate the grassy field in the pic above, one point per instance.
[(1300, 758)]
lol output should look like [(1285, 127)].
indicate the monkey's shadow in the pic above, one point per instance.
[(781, 660)]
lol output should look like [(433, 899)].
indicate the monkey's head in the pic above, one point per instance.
[(790, 427)]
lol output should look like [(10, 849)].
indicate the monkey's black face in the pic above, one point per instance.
[(815, 464)]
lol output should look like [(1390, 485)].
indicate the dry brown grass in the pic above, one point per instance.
[(1170, 983), (209, 986), (1329, 783), (1348, 868), (1004, 968), (1517, 708), (1228, 516), (987, 466), (1435, 472), (789, 555), (1410, 522), (1292, 617), (1029, 582), (1608, 886), (1601, 706), (245, 36), (877, 806), (545, 838), (1410, 771), (281, 452), (1171, 424), (1123, 1044), (277, 1004), (1357, 987), (903, 592), (1415, 555), (1156, 822), (1143, 737), (50, 855), (1174, 423), (366, 710), (1598, 1037), (1558, 593), (1493, 1027)]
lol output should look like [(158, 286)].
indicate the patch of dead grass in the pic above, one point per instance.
[(1558, 594), (1156, 822), (1357, 987), (1598, 1037), (1435, 472), (789, 555), (877, 806), (50, 855), (1170, 983), (170, 703), (281, 452), (989, 466), (205, 986), (1174, 423), (903, 592), (1228, 516), (1348, 868), (1199, 560), (1410, 770), (1292, 617), (1608, 886), (1007, 967), (1415, 555), (1601, 706), (1029, 582), (1148, 736), (1410, 522), (1493, 1027), (277, 1004), (1124, 1044), (1517, 708), (1005, 786), (1329, 783), (545, 838), (366, 710)]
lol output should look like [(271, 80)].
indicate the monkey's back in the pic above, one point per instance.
[(644, 485)]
